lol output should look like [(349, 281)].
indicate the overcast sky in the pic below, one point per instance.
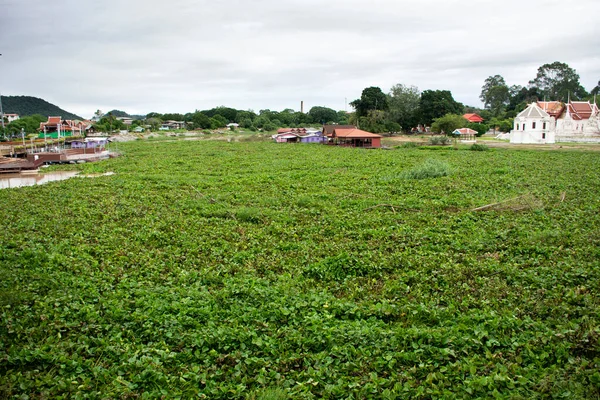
[(180, 55)]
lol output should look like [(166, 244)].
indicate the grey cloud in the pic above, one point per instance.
[(183, 55)]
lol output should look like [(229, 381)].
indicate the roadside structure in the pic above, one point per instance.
[(552, 122), (465, 135)]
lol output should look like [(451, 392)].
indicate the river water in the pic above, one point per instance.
[(18, 180)]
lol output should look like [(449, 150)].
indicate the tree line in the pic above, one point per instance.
[(401, 109), (405, 107)]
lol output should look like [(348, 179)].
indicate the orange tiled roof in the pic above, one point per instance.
[(353, 133), (553, 108), (466, 131), (473, 118), (580, 110)]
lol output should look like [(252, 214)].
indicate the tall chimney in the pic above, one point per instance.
[(302, 106)]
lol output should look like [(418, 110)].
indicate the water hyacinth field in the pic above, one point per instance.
[(255, 270)]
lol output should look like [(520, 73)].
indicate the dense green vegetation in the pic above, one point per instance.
[(258, 270), (28, 105)]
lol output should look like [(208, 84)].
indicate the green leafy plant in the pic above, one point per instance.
[(431, 168)]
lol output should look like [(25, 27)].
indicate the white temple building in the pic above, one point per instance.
[(552, 121)]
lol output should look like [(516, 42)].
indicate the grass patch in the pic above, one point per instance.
[(409, 145), (431, 168), (479, 147)]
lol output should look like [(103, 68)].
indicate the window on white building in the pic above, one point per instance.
[(544, 135), (533, 125), (518, 126), (524, 126), (544, 125)]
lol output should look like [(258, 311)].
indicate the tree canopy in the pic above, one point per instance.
[(495, 94), (371, 99), (558, 81), (437, 103), (448, 123), (323, 115), (403, 103)]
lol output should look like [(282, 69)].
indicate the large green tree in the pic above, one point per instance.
[(448, 123), (200, 120), (437, 103), (495, 94), (323, 115), (558, 82), (371, 99), (404, 105)]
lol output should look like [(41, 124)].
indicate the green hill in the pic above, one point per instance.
[(28, 105), (119, 114)]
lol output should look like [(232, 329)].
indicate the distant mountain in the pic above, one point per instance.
[(28, 105), (121, 114)]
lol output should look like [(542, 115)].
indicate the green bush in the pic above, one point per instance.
[(429, 169), (439, 140), (479, 147), (409, 145)]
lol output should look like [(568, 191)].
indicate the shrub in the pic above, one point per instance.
[(479, 147), (429, 169), (409, 145), (338, 268), (439, 140)]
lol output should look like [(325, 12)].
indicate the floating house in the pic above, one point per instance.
[(90, 143), (286, 137), (314, 137)]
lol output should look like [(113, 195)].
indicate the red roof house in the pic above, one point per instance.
[(354, 137), (473, 118)]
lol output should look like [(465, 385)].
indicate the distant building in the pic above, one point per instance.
[(341, 135), (553, 121), (126, 120), (465, 135), (314, 137), (473, 118), (57, 127), (11, 117), (171, 125)]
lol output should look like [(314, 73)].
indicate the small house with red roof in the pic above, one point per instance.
[(350, 136), (473, 118)]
